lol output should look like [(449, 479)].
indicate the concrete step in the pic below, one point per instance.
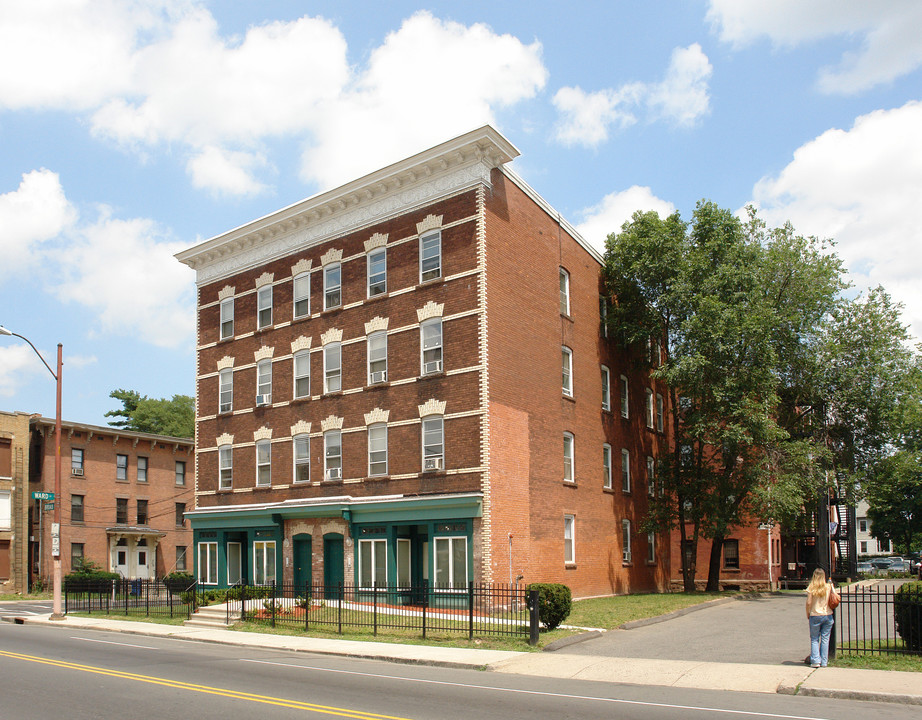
[(211, 616)]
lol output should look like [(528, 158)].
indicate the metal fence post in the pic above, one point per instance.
[(425, 606), (339, 613), (470, 610), (532, 617)]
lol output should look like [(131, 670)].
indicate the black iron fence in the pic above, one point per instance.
[(140, 598), (480, 609), (879, 620)]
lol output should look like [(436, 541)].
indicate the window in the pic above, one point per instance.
[(606, 388), (301, 293), (862, 525), (76, 461), (651, 548), (76, 508), (649, 408), (226, 390), (564, 292), (121, 467), (377, 272), (567, 362), (121, 511), (569, 539), (181, 558), (332, 368), (377, 449), (651, 476), (864, 547), (732, 554), (377, 357), (76, 555), (433, 443), (264, 562), (302, 455), (142, 469), (180, 472), (626, 541), (568, 474), (264, 382), (606, 466), (142, 512), (6, 510), (208, 563), (180, 514), (227, 318), (302, 368), (624, 396), (372, 563), (263, 463), (404, 576), (225, 467), (659, 412), (431, 343), (430, 256), (451, 563), (333, 455), (603, 316), (332, 286), (625, 470), (264, 306)]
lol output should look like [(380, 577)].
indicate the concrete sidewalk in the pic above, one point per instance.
[(873, 685)]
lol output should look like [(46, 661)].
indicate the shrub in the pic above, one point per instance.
[(907, 611), (178, 581), (554, 603)]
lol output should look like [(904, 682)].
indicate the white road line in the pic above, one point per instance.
[(749, 713), (110, 642)]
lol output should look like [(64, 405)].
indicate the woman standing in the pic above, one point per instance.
[(819, 615)]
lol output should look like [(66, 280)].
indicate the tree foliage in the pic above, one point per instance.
[(159, 416)]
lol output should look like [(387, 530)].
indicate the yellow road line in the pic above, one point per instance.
[(235, 694)]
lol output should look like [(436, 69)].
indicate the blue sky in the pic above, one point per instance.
[(131, 130)]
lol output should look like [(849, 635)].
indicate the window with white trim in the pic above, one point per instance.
[(264, 306), (430, 256), (6, 509), (377, 357), (603, 315), (332, 286), (76, 461), (208, 563), (372, 563), (569, 539), (377, 272), (651, 476), (660, 412), (377, 449), (227, 318), (121, 467), (263, 463), (226, 390), (625, 408), (567, 365), (142, 469), (180, 472), (332, 455), (431, 346), (651, 548), (650, 409), (332, 368), (301, 295), (564, 292), (568, 451), (606, 466), (626, 541), (264, 562), (451, 563), (225, 467), (302, 458), (302, 372), (433, 430), (606, 388), (625, 470), (264, 382)]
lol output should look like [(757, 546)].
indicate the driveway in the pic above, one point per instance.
[(764, 630)]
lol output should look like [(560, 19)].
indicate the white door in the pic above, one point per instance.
[(121, 560), (142, 556)]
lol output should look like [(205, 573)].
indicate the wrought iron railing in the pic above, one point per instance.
[(879, 620), (141, 598)]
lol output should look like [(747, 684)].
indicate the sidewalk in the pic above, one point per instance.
[(873, 685)]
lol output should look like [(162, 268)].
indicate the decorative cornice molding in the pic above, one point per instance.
[(301, 343), (262, 433), (375, 241), (376, 324), (331, 423), (264, 279), (430, 222), (225, 439), (330, 336), (225, 362), (302, 266), (263, 353), (432, 407), (333, 255), (301, 427), (430, 310), (377, 416), (226, 292)]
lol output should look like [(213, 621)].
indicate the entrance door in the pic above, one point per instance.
[(141, 558), (121, 558), (302, 561), (332, 564), (233, 563)]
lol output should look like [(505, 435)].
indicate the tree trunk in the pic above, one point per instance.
[(717, 545)]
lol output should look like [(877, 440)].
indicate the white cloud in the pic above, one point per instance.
[(34, 213), (599, 221), (861, 187), (17, 363), (225, 171), (889, 34), (681, 98)]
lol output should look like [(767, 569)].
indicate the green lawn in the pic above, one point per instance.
[(25, 598)]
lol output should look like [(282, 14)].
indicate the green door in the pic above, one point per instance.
[(302, 561), (332, 564)]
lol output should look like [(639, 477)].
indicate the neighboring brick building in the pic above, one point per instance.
[(405, 379), (14, 502), (751, 559)]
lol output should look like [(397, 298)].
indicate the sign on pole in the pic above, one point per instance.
[(42, 495)]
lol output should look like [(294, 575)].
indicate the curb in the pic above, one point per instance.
[(862, 695)]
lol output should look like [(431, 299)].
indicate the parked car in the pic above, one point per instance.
[(898, 564), (865, 568), (880, 564)]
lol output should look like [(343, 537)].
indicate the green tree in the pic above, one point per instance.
[(175, 417)]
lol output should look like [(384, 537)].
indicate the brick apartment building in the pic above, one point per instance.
[(751, 559), (406, 379), (124, 497)]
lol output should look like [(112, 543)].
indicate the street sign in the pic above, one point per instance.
[(43, 495), (55, 545), (49, 506)]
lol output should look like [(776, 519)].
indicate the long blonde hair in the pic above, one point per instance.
[(817, 586)]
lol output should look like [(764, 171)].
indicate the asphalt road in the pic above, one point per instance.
[(50, 673)]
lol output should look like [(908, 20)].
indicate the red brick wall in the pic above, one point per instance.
[(753, 559)]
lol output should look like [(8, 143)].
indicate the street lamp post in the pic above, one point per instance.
[(56, 528)]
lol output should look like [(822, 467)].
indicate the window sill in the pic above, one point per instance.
[(264, 328), (732, 571), (568, 397), (379, 296), (383, 383), (433, 472), (431, 281), (610, 491), (565, 316), (569, 565), (300, 400), (335, 393), (377, 478), (427, 376), (334, 309), (627, 564), (569, 483)]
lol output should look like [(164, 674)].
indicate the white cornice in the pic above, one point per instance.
[(463, 162)]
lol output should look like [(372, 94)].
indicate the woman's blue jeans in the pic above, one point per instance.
[(820, 630)]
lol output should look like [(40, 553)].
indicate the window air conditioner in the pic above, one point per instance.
[(379, 377), (78, 471), (263, 400), (334, 473), (433, 463), (626, 556), (432, 367)]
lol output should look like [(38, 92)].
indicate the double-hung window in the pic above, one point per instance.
[(180, 512), (301, 291), (377, 272), (625, 470), (567, 363), (333, 455), (650, 409), (433, 443), (372, 563), (264, 382), (76, 461), (603, 315), (569, 539), (651, 548), (606, 466), (624, 397), (76, 508), (142, 469), (263, 463), (121, 511), (377, 449), (568, 470), (332, 368), (732, 554), (225, 467), (626, 541), (651, 476), (227, 318), (121, 467), (332, 286), (606, 388), (431, 344), (430, 256), (142, 512), (264, 562), (451, 563), (660, 411), (264, 306), (302, 370), (226, 390), (302, 458), (208, 563), (564, 292), (377, 357)]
